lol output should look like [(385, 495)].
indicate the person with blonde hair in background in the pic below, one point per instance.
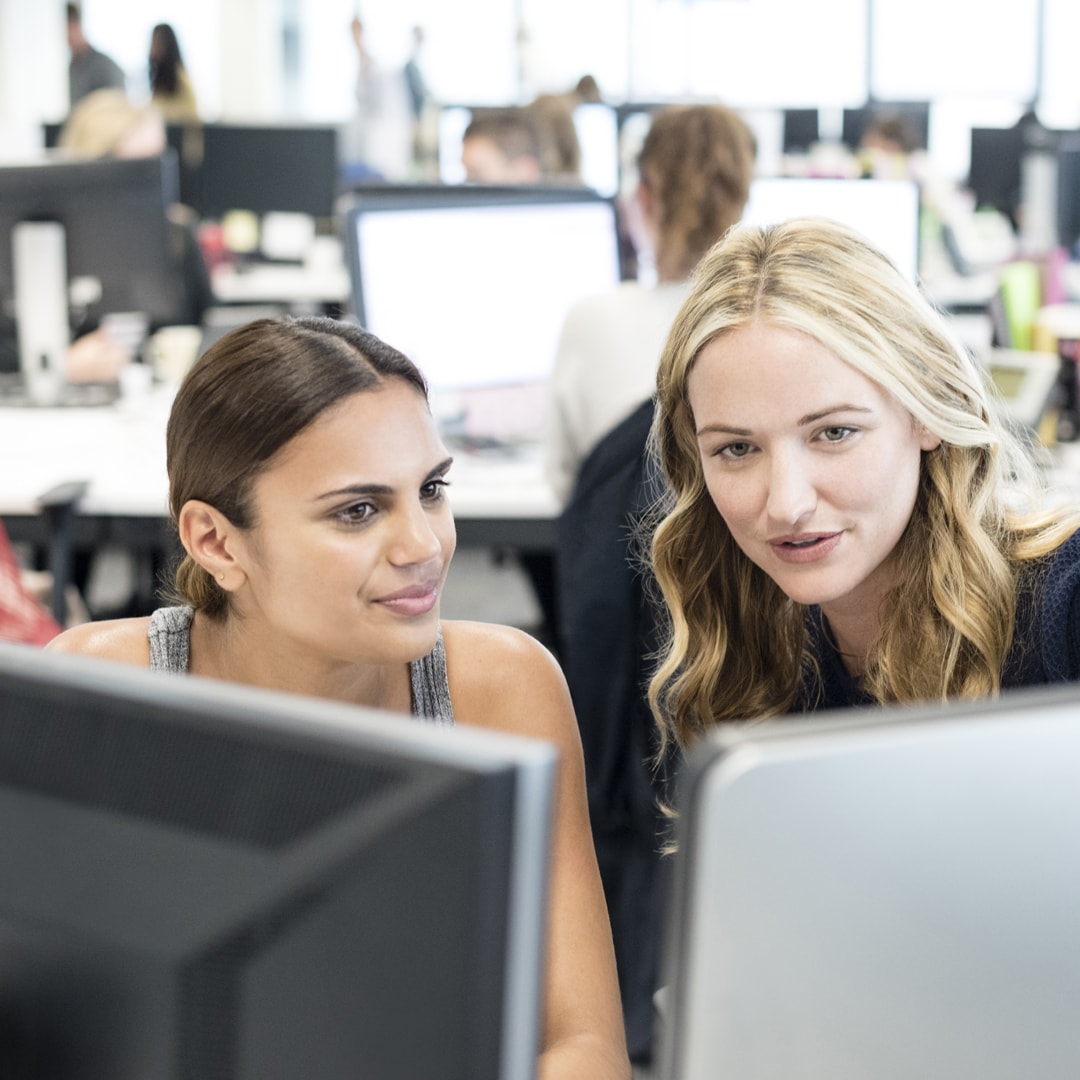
[(695, 169), (107, 124), (852, 521)]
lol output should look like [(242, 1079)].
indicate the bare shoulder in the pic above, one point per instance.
[(126, 640), (502, 677)]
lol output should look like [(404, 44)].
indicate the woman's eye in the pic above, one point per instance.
[(734, 450), (434, 490), (356, 513), (837, 433)]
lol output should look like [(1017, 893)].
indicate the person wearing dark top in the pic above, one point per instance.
[(89, 69), (851, 520)]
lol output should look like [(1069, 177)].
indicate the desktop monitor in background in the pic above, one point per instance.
[(801, 130), (886, 212), (597, 131), (204, 880), (268, 168), (1068, 192), (119, 252), (891, 894), (994, 170), (474, 282), (916, 114)]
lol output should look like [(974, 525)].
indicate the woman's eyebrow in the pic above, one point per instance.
[(383, 489), (721, 428)]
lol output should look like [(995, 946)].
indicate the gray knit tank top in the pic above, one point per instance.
[(170, 635)]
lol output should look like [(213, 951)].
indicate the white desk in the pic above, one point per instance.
[(323, 279), (279, 284), (119, 451)]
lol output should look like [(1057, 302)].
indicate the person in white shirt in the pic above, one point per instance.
[(695, 169)]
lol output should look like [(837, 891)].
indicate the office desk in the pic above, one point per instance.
[(322, 280), (118, 451), (281, 284)]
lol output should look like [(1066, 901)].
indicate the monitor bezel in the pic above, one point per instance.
[(295, 723), (730, 751)]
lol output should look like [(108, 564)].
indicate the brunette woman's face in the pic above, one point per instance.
[(813, 467), (353, 532)]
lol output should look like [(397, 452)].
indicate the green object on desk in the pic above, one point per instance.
[(1021, 291)]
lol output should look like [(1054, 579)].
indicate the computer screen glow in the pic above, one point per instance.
[(476, 294)]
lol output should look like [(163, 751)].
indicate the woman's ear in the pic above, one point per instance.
[(927, 439), (212, 541)]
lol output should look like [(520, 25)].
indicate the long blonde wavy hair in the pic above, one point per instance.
[(736, 645)]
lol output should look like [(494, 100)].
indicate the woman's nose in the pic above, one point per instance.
[(416, 540), (792, 495)]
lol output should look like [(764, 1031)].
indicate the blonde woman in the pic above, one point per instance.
[(851, 521)]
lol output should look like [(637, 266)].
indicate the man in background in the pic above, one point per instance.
[(502, 146), (89, 68)]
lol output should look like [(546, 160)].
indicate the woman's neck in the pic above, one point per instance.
[(235, 651)]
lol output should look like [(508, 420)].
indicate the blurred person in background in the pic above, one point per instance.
[(695, 169), (171, 91), (89, 68)]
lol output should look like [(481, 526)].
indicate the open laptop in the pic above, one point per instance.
[(880, 894)]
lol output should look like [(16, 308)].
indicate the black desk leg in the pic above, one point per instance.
[(60, 507)]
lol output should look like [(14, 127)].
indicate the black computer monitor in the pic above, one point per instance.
[(267, 168), (801, 130), (120, 250), (473, 281), (914, 114), (1068, 183), (994, 171), (882, 893), (204, 880)]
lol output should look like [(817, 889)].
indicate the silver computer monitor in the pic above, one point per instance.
[(207, 880), (886, 893)]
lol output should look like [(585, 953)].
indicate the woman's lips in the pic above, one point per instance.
[(806, 548), (415, 600)]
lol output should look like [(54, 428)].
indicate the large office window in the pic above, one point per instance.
[(748, 53), (122, 29), (554, 58), (1061, 66), (926, 49), (468, 54), (755, 53)]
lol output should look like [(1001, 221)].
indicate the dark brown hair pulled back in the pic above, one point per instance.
[(248, 395)]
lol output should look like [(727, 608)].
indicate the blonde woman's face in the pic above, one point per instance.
[(813, 467)]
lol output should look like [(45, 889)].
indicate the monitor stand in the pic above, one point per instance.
[(41, 308)]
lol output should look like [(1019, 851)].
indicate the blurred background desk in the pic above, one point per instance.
[(321, 282), (118, 453)]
